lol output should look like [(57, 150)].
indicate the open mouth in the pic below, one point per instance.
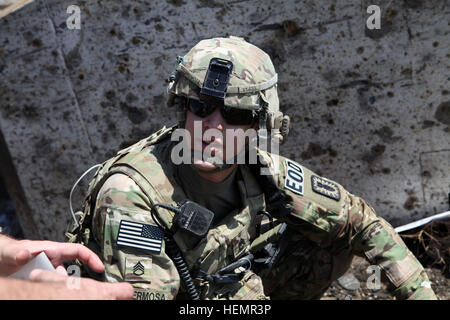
[(212, 145)]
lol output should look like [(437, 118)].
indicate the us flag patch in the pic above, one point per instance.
[(140, 236)]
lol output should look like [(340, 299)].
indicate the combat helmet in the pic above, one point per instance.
[(252, 82)]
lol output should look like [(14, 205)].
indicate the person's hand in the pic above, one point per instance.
[(16, 253), (83, 288)]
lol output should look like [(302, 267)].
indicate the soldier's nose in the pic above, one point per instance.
[(214, 120)]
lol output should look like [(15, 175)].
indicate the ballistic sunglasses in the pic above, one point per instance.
[(232, 116)]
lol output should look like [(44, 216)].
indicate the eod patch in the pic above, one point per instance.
[(294, 177), (325, 188)]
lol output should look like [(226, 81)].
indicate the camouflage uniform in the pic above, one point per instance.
[(313, 244)]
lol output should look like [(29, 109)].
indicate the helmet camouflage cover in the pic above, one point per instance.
[(252, 82)]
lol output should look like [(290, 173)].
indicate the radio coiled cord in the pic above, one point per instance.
[(177, 258), (175, 254)]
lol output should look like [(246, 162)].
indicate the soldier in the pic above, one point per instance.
[(270, 228)]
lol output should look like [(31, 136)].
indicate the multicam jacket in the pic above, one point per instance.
[(313, 245)]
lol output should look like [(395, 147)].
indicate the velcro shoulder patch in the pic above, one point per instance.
[(325, 187), (294, 177), (133, 234)]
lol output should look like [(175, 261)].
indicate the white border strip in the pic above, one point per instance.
[(423, 221)]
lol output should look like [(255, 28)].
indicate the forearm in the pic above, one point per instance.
[(418, 287), (14, 289), (376, 239), (402, 268)]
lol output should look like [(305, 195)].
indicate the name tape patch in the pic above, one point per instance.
[(145, 294), (294, 177), (325, 188)]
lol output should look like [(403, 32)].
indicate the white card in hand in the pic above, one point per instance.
[(39, 262)]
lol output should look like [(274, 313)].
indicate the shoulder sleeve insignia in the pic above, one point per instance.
[(325, 188), (294, 177), (137, 235)]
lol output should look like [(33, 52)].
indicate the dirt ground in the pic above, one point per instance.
[(429, 244), (347, 290)]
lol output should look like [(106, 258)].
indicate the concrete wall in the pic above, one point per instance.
[(369, 108)]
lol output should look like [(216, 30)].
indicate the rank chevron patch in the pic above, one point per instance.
[(325, 188), (138, 269)]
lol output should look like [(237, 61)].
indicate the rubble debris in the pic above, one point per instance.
[(348, 281), (431, 245)]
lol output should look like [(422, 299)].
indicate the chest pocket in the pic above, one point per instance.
[(222, 245)]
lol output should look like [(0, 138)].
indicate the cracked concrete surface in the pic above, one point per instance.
[(369, 108)]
